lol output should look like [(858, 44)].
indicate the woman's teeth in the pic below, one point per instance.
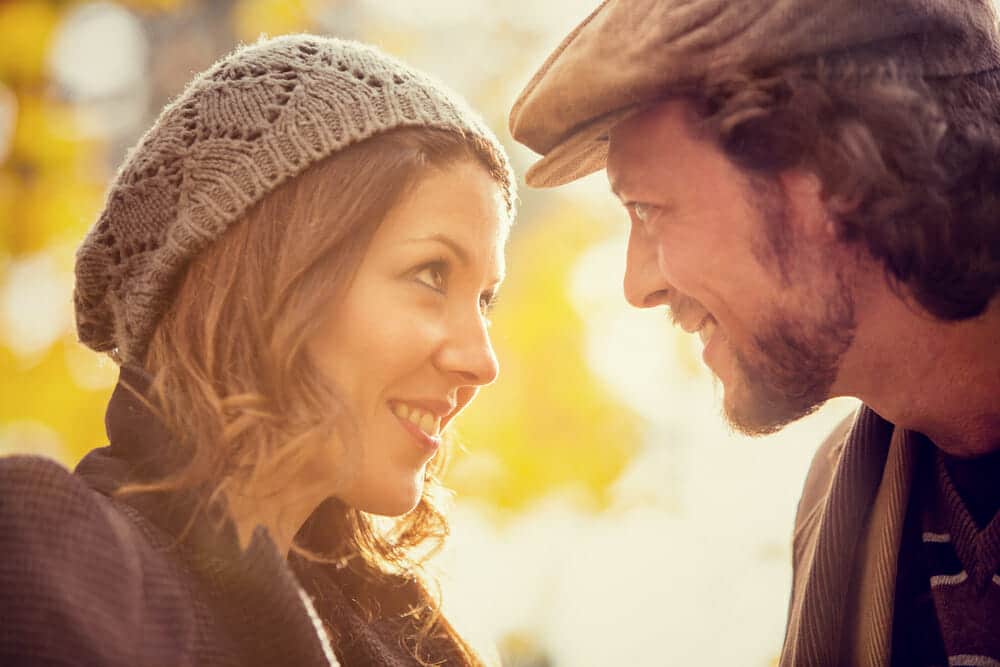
[(425, 421)]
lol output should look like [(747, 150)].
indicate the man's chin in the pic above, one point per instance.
[(757, 414)]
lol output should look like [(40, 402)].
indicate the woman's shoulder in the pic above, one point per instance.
[(35, 484), (79, 583), (44, 504), (45, 507)]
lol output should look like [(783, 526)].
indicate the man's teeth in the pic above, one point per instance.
[(707, 329), (425, 421)]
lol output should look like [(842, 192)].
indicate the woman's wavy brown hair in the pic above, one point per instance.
[(910, 166), (232, 379)]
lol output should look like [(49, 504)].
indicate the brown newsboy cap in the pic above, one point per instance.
[(631, 52)]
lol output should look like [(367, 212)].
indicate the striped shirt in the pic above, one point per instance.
[(947, 609)]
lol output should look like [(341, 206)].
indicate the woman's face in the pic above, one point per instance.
[(408, 346)]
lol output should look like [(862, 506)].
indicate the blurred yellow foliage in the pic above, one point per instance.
[(51, 194), (52, 208), (271, 17), (9, 195), (26, 27), (548, 423), (45, 134), (155, 5), (46, 393), (394, 39), (51, 185)]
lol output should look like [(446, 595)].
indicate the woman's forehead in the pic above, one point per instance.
[(462, 202)]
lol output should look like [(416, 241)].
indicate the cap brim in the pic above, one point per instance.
[(582, 153)]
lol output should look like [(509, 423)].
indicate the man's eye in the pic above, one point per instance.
[(432, 275), (642, 211)]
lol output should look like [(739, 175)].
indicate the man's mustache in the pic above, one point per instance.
[(680, 309)]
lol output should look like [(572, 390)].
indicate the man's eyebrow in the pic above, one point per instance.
[(615, 188), (620, 187), (454, 246)]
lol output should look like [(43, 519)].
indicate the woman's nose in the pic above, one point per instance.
[(468, 352)]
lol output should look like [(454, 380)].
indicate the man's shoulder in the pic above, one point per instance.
[(820, 474), (826, 457)]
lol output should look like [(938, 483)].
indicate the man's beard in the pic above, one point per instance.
[(795, 358), (793, 365)]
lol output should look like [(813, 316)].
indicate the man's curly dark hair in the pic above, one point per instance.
[(909, 166)]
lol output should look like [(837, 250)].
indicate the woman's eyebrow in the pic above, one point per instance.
[(455, 246)]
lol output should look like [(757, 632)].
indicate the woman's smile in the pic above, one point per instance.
[(422, 428)]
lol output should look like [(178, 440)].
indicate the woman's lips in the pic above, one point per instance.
[(427, 441)]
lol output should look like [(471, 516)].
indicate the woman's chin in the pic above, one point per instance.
[(397, 503)]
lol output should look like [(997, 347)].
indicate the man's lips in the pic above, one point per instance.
[(690, 325), (706, 329)]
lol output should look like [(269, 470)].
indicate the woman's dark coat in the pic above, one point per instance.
[(88, 577)]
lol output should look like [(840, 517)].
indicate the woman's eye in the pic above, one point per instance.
[(432, 275), (487, 300)]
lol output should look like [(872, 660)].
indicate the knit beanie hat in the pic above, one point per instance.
[(258, 117)]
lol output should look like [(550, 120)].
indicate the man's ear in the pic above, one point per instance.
[(812, 216)]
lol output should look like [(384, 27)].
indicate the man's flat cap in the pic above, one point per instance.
[(631, 52)]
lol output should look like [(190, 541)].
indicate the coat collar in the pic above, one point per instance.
[(846, 554), (254, 592)]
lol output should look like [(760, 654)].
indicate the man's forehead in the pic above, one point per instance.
[(629, 142), (619, 180), (641, 141)]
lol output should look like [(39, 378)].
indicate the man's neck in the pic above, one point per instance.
[(939, 378)]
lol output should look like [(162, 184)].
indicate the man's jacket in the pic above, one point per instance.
[(845, 546)]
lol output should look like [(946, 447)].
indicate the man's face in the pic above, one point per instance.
[(775, 318)]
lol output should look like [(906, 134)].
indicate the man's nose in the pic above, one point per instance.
[(645, 286)]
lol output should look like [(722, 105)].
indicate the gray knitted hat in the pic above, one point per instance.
[(256, 118)]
